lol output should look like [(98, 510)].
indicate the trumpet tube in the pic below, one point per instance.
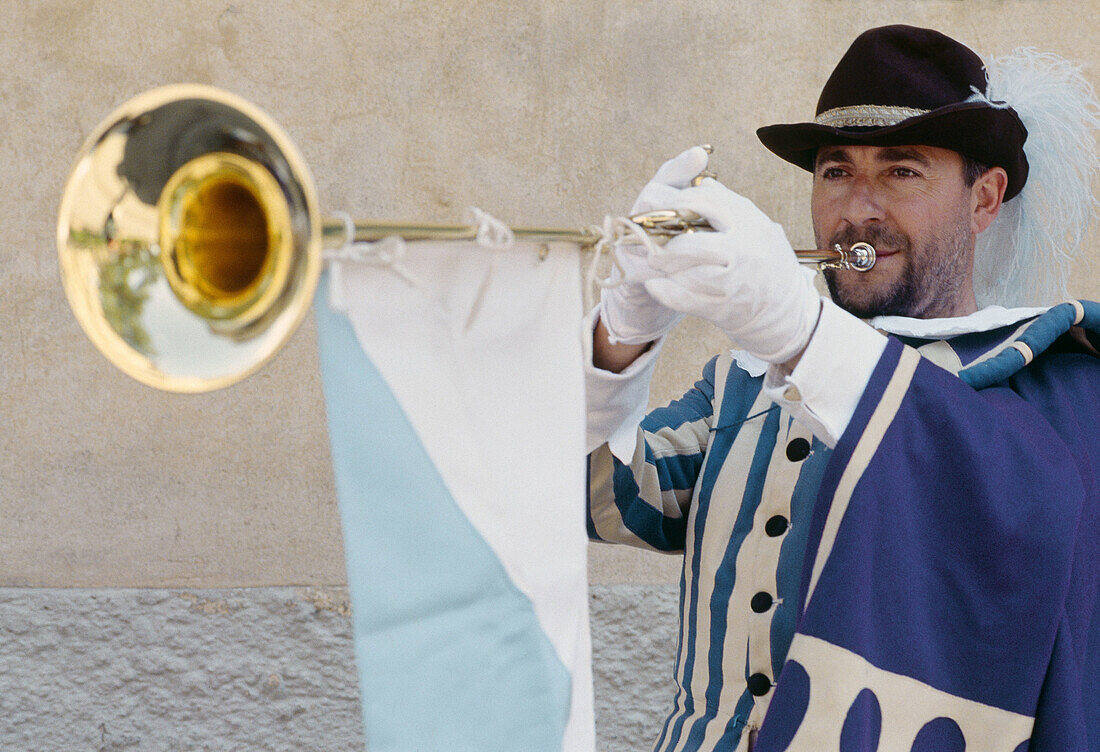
[(667, 223), (335, 233), (660, 224)]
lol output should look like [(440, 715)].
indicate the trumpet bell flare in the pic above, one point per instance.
[(189, 239)]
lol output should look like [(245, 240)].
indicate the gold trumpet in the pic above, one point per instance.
[(190, 241)]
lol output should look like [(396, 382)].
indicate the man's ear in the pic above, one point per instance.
[(986, 196)]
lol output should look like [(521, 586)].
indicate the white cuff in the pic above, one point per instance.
[(616, 402), (825, 387)]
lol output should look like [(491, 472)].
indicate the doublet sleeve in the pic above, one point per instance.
[(645, 502)]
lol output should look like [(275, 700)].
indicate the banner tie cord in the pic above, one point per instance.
[(386, 252), (491, 233), (615, 230)]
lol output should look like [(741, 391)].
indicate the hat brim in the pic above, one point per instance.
[(990, 135)]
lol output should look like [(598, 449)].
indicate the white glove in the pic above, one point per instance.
[(630, 314), (673, 176), (755, 290)]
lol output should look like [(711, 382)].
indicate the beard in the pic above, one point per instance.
[(928, 284)]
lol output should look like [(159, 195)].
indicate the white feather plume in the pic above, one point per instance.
[(1024, 257)]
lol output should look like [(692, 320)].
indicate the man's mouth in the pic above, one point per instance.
[(885, 241)]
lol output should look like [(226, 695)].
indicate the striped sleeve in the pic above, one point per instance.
[(645, 503)]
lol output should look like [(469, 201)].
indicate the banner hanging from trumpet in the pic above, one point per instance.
[(452, 379)]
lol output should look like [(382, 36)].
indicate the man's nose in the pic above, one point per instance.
[(862, 204)]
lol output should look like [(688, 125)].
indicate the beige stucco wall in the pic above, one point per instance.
[(542, 113)]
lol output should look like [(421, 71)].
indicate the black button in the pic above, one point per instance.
[(798, 450), (759, 685), (776, 526), (761, 602)]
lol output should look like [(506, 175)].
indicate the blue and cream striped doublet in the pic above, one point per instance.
[(728, 478)]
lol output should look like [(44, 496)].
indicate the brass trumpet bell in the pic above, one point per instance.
[(189, 238)]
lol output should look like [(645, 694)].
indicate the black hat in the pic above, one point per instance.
[(899, 85)]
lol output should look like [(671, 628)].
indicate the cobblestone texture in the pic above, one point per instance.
[(256, 669)]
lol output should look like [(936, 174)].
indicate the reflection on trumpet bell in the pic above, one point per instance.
[(190, 243)]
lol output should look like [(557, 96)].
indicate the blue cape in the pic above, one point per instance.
[(949, 596)]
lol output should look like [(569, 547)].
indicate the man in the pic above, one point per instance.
[(890, 542)]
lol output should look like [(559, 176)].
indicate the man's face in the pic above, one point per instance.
[(913, 205)]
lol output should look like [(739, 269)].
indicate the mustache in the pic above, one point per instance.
[(880, 236)]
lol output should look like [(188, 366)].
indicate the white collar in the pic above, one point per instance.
[(984, 320), (992, 317)]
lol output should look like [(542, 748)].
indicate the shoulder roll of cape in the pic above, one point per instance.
[(1042, 333), (949, 593)]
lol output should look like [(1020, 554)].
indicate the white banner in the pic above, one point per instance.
[(456, 417)]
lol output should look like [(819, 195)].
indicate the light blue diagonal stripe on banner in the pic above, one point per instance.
[(450, 653)]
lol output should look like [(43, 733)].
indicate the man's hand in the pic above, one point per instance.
[(754, 290), (628, 312), (673, 176)]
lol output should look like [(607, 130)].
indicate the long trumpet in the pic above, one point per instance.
[(190, 241)]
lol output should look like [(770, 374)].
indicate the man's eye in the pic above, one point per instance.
[(830, 173), (904, 172)]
